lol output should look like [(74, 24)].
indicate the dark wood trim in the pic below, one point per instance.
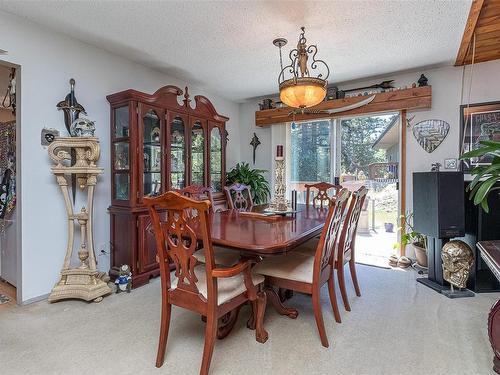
[(408, 99)]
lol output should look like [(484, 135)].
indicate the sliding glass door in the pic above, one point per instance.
[(369, 156), (353, 152)]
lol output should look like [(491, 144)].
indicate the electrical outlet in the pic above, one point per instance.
[(103, 249)]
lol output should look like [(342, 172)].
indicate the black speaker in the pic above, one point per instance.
[(438, 204)]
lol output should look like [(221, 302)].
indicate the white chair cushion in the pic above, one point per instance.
[(294, 266), (222, 256), (228, 287), (308, 248)]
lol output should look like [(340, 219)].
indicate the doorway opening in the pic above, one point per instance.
[(353, 152), (369, 156), (8, 182)]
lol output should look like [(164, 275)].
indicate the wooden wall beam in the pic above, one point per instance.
[(408, 99), (470, 27)]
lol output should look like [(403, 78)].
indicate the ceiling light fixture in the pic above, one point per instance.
[(299, 88)]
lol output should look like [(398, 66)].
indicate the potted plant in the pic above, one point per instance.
[(414, 238), (485, 176), (259, 186)]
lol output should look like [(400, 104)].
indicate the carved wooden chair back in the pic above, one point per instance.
[(179, 223), (322, 195), (331, 231), (198, 193), (350, 224), (239, 201)]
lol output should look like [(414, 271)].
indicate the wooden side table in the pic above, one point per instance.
[(84, 281), (490, 252)]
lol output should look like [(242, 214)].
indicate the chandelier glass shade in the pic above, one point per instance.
[(302, 93), (298, 88)]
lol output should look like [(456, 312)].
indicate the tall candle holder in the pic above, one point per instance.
[(279, 202), (84, 281)]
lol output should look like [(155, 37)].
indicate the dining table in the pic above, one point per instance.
[(256, 233)]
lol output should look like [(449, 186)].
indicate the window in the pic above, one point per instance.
[(311, 153)]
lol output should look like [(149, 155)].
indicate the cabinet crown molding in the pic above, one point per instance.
[(170, 96)]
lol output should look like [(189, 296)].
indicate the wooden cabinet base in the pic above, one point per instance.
[(494, 334)]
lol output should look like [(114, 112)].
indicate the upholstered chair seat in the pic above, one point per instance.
[(227, 288), (222, 256), (294, 266), (308, 248), (307, 273)]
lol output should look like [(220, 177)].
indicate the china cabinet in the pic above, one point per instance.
[(158, 144)]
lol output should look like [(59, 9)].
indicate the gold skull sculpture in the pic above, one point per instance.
[(457, 259)]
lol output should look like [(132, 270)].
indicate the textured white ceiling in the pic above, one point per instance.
[(226, 46)]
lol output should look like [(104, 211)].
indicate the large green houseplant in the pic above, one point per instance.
[(259, 186), (485, 176)]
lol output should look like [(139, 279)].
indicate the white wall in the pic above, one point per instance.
[(48, 60), (446, 99)]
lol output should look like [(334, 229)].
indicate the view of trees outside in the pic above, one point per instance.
[(357, 137), (311, 148), (310, 157), (310, 154)]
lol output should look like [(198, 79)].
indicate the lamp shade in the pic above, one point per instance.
[(303, 92)]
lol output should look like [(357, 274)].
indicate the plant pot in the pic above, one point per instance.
[(389, 227), (421, 255)]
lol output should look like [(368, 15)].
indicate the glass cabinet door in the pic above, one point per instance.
[(121, 154), (216, 159), (197, 154), (177, 153), (151, 139)]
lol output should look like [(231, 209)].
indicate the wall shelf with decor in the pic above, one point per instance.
[(157, 145), (389, 101)]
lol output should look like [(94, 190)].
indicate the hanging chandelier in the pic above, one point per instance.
[(299, 87)]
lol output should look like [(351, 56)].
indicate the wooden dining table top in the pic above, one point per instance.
[(266, 236)]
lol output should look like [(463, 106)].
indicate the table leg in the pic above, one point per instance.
[(285, 294), (274, 298), (494, 334), (227, 322), (251, 319)]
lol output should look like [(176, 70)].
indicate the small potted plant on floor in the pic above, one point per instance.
[(414, 238), (259, 186)]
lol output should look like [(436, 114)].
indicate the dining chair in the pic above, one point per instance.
[(322, 195), (199, 193), (179, 223), (307, 274), (224, 257), (347, 241), (239, 201)]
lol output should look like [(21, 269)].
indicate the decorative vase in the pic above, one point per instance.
[(389, 227), (421, 255)]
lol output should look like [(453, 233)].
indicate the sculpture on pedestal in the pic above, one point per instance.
[(84, 281), (457, 259)]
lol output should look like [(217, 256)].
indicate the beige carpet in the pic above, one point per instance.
[(396, 327)]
